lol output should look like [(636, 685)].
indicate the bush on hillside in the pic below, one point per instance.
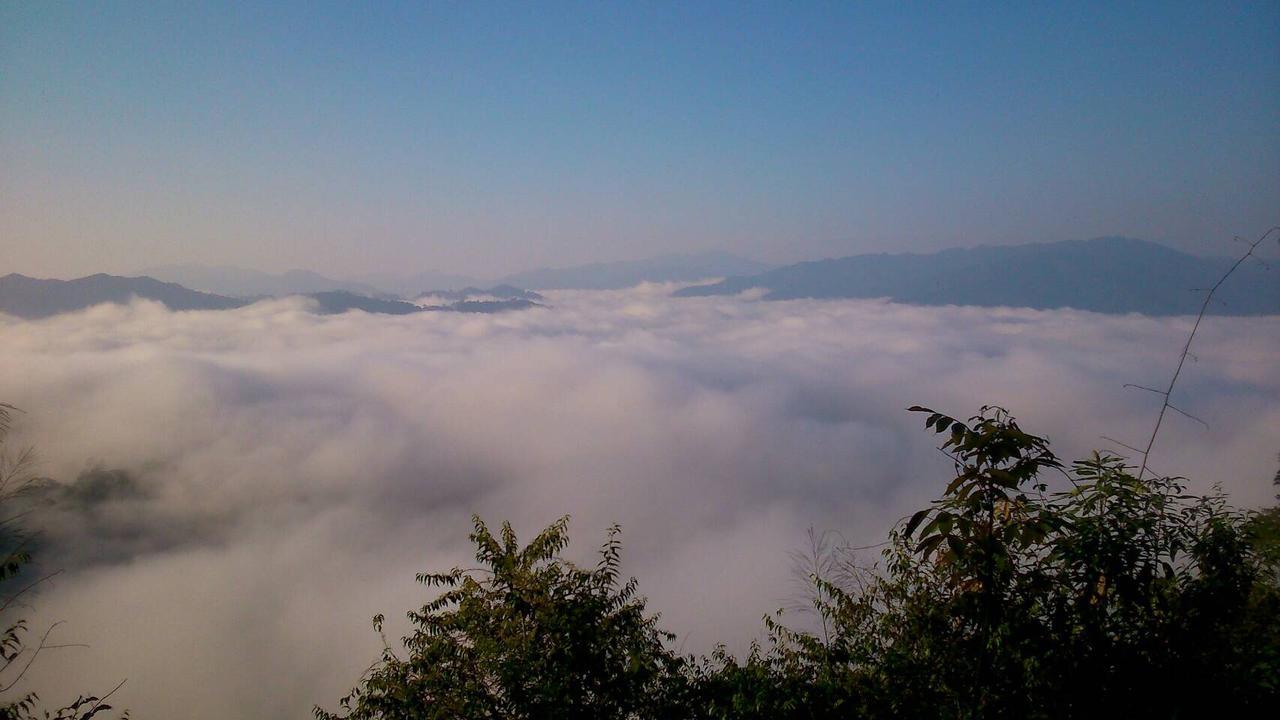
[(1028, 589)]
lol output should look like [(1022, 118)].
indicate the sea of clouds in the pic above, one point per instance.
[(286, 473)]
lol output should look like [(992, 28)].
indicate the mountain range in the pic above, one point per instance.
[(338, 301), (495, 293), (413, 284), (1108, 275), (628, 273), (242, 283), (34, 298)]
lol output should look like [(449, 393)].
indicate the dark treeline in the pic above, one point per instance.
[(1029, 589)]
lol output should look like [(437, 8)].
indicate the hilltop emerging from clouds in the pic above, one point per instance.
[(35, 298), (1107, 275)]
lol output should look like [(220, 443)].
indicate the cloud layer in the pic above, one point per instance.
[(288, 473)]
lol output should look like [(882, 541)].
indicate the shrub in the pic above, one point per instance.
[(528, 635), (1028, 589)]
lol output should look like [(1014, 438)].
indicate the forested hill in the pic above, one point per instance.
[(1109, 275), (35, 298), (627, 273), (32, 298)]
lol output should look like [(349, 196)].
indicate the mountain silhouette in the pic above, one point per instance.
[(335, 302), (240, 282), (628, 273), (1108, 275), (33, 298), (498, 292)]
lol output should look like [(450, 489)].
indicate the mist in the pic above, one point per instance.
[(240, 491)]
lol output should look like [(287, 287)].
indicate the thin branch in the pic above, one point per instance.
[(864, 547), (1186, 414), (1126, 446), (6, 416), (10, 599), (1144, 387), (104, 697), (1182, 359), (34, 654), (4, 522)]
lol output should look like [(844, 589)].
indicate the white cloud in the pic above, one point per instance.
[(296, 469)]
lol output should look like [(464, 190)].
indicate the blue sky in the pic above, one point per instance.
[(486, 138)]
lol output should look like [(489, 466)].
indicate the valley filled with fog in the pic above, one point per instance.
[(240, 491)]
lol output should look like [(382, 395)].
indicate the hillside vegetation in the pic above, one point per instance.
[(1030, 588)]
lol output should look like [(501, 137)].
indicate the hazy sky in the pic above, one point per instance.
[(486, 138)]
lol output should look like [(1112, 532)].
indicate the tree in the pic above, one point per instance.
[(1007, 599), (527, 635), (1029, 588)]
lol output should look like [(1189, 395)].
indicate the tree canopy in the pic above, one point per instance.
[(526, 635), (1029, 588)]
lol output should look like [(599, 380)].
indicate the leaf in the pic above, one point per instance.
[(928, 545), (915, 521)]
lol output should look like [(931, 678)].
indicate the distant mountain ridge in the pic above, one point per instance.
[(1108, 275), (628, 273), (410, 285), (336, 302), (253, 284), (240, 282), (34, 298), (486, 306), (497, 292)]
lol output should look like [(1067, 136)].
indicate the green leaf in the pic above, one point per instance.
[(915, 521)]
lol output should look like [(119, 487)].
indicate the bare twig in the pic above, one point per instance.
[(6, 414), (1144, 387), (1186, 349), (10, 599), (104, 697), (1126, 446), (35, 653), (1187, 415)]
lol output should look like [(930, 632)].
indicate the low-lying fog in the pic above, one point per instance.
[(288, 473)]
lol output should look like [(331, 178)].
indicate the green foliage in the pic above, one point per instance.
[(528, 635), (1264, 530), (1006, 599), (1028, 589)]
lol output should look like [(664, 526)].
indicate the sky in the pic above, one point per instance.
[(289, 473), (487, 138)]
